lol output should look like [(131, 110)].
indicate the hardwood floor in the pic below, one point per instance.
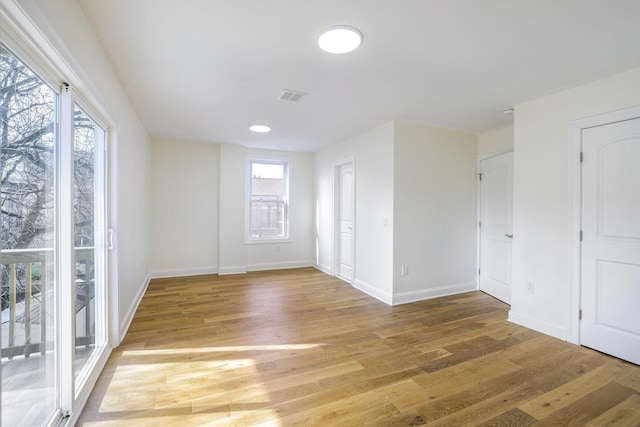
[(299, 348)]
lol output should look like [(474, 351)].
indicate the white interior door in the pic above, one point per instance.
[(496, 206), (346, 221), (611, 239)]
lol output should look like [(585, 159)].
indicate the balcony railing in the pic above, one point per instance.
[(267, 217), (28, 299)]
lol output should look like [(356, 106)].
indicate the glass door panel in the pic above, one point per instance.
[(27, 255), (88, 227)]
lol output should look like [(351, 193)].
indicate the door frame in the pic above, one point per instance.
[(575, 199), (336, 217), (482, 157)]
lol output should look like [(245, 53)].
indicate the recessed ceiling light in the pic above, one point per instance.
[(339, 39), (259, 128)]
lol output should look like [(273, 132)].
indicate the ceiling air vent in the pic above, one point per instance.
[(291, 95)]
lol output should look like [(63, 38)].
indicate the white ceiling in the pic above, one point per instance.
[(204, 70)]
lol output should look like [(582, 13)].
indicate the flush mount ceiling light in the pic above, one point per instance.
[(259, 128), (339, 39)]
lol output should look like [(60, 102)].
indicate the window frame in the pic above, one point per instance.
[(101, 255), (286, 163)]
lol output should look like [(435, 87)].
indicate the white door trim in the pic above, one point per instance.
[(335, 236), (575, 211)]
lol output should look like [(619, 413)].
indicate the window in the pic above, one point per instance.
[(268, 200)]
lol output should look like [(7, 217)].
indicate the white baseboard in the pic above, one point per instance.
[(324, 268), (128, 318), (183, 272), (538, 325), (279, 265), (368, 289), (234, 269), (440, 291)]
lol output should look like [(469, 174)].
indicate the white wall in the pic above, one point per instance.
[(541, 217), (495, 141), (198, 221), (323, 209), (232, 247), (372, 152), (184, 208), (64, 25), (434, 212)]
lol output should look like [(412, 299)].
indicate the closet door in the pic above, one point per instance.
[(611, 239), (496, 234)]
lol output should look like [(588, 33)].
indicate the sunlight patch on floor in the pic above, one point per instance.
[(153, 385), (228, 349)]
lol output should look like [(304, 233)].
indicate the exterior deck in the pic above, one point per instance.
[(28, 325)]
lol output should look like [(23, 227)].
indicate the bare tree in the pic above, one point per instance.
[(27, 163), (27, 111)]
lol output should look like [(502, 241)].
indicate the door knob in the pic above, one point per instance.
[(509, 236)]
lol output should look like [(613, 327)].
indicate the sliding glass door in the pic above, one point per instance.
[(52, 255), (88, 207), (28, 111)]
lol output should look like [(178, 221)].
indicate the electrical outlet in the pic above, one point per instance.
[(405, 270), (530, 286)]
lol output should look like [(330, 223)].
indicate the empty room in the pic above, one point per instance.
[(320, 213)]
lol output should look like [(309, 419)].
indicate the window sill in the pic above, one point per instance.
[(268, 240)]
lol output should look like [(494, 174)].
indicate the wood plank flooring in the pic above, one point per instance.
[(300, 348)]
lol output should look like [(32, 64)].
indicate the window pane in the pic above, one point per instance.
[(27, 145), (87, 139), (268, 200)]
